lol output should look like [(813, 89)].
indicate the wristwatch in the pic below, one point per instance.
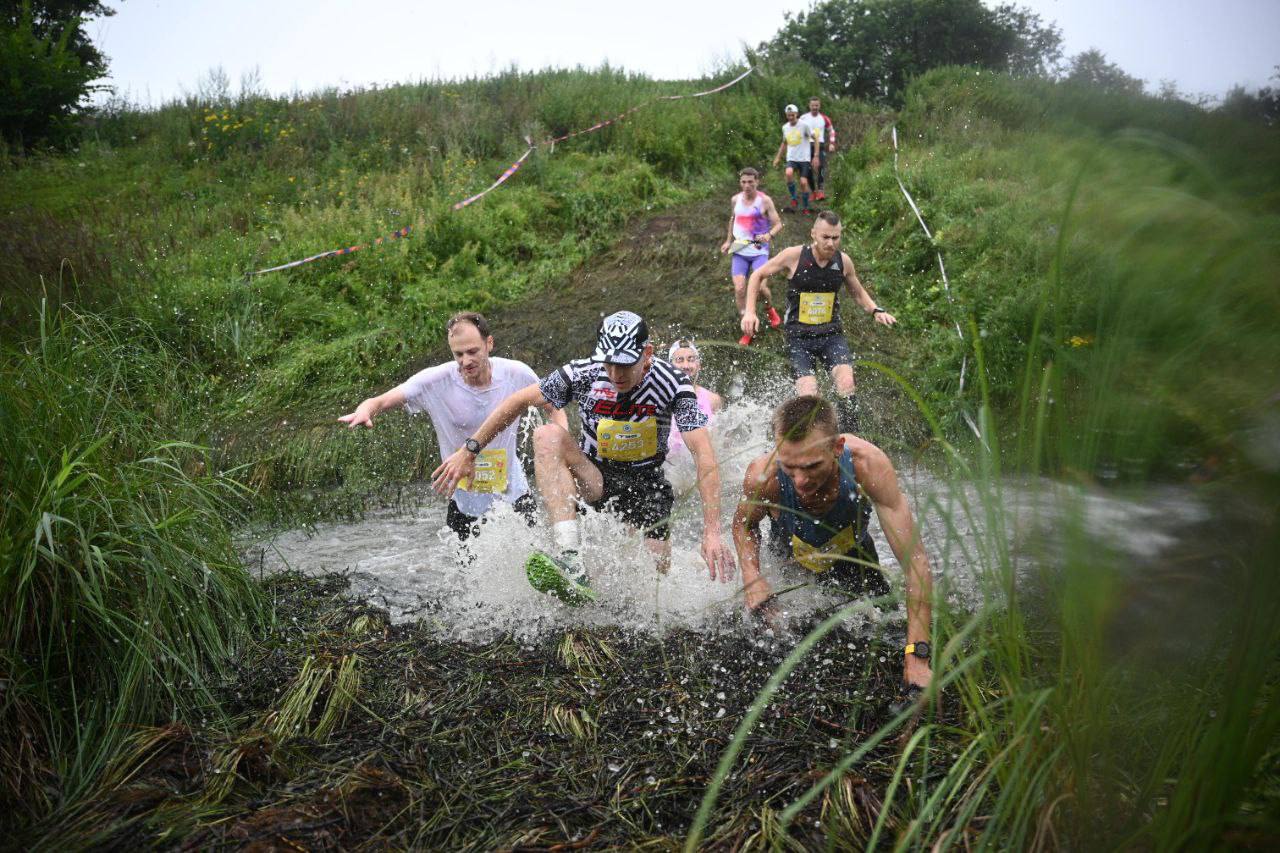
[(920, 649), (878, 310), (472, 445)]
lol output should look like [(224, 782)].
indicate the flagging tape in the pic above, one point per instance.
[(515, 167), (946, 285), (333, 253)]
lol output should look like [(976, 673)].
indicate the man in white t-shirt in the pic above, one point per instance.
[(458, 396), (824, 136)]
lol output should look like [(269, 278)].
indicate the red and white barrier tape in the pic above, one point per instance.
[(515, 167)]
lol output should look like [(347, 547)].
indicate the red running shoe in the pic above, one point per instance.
[(807, 212), (819, 196), (744, 341), (774, 320)]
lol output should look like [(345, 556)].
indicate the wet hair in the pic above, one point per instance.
[(830, 217), (475, 318), (749, 172), (798, 417)]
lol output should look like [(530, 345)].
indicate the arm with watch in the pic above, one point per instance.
[(462, 462), (880, 483), (860, 295)]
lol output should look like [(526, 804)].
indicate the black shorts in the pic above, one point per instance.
[(467, 526), (805, 351), (803, 169), (641, 496)]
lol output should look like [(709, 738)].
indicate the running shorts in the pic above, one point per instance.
[(642, 497), (747, 265), (802, 168), (804, 352)]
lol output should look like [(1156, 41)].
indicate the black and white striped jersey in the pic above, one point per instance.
[(628, 430)]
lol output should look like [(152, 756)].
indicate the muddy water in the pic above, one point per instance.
[(413, 566)]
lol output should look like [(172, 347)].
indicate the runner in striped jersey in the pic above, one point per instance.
[(629, 400)]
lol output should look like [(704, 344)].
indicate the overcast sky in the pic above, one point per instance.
[(158, 50)]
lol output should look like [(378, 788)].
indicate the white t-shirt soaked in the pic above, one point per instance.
[(798, 136), (457, 410)]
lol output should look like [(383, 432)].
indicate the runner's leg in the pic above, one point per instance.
[(801, 361), (563, 472)]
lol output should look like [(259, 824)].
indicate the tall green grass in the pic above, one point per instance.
[(1096, 701), (160, 213), (123, 599)]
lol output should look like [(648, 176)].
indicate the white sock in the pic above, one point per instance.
[(566, 535)]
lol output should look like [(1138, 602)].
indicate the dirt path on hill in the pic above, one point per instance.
[(668, 268)]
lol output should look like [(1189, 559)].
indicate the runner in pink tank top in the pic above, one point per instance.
[(685, 356), (755, 221)]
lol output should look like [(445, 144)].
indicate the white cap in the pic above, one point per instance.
[(683, 343), (791, 108)]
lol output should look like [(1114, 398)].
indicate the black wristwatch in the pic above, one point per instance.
[(920, 649), (472, 445), (878, 310)]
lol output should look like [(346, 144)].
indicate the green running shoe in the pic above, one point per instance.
[(558, 577)]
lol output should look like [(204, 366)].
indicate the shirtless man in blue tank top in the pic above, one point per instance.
[(818, 488), (812, 323)]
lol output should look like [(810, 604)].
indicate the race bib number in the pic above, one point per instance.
[(816, 308), (490, 475), (794, 136), (628, 441), (820, 558)]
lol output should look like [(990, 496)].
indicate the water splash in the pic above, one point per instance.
[(412, 565)]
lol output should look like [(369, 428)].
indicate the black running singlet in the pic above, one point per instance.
[(813, 296)]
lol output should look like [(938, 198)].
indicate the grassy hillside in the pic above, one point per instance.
[(1112, 265)]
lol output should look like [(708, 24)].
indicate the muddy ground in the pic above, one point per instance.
[(584, 740)]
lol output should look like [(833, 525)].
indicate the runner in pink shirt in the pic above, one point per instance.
[(755, 221), (685, 356)]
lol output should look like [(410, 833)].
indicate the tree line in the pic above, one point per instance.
[(864, 49)]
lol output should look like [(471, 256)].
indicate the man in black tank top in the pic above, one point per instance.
[(812, 322), (803, 477)]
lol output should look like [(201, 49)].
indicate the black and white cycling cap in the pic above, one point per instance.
[(621, 339)]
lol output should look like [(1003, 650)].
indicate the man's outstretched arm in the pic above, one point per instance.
[(746, 531), (880, 482), (718, 556), (363, 415)]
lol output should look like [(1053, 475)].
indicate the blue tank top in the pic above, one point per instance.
[(832, 541)]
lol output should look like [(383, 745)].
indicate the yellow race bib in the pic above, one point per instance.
[(491, 473), (820, 558), (816, 308), (628, 441), (794, 135)]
